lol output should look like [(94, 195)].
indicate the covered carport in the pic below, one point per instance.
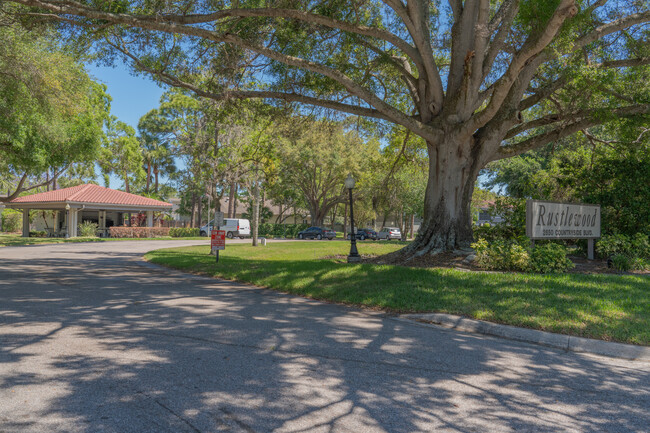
[(88, 202)]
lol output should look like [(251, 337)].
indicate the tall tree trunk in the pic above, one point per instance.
[(447, 222), (148, 176), (256, 212), (126, 182), (231, 200), (234, 202), (278, 219), (193, 215), (200, 203), (156, 172), (412, 225), (345, 221)]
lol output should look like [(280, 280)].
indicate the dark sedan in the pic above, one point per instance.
[(317, 233), (363, 234)]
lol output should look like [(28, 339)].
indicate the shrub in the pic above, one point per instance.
[(545, 258), (184, 232), (38, 234), (139, 232), (280, 230), (621, 262), (513, 212), (88, 229), (627, 253), (12, 221), (501, 255), (512, 255), (641, 245), (611, 245), (640, 264)]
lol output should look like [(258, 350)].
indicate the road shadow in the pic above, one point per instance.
[(96, 342)]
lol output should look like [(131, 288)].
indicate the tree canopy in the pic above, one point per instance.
[(477, 80), (51, 112)]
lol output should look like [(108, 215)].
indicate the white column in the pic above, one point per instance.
[(102, 219), (56, 222), (72, 223), (149, 218), (25, 223), (66, 222)]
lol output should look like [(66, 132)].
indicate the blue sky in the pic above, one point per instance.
[(133, 96)]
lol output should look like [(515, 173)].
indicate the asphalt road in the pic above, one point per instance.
[(92, 340)]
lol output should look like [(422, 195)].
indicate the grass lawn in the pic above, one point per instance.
[(607, 307), (10, 240)]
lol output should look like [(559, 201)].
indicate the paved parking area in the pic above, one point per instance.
[(92, 340)]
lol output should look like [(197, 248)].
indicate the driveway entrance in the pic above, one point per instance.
[(93, 340)]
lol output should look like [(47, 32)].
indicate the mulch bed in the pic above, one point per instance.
[(455, 260)]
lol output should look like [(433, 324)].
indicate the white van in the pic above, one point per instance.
[(234, 227)]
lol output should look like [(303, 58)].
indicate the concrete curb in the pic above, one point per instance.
[(549, 339)]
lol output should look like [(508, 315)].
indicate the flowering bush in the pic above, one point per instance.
[(184, 232), (138, 232)]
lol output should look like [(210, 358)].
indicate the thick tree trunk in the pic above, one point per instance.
[(447, 223)]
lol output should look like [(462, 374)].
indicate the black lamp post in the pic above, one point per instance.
[(354, 256)]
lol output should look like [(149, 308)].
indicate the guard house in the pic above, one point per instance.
[(104, 206)]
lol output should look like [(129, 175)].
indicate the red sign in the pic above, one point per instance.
[(218, 241)]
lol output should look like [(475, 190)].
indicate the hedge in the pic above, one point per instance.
[(184, 232), (138, 232), (281, 230)]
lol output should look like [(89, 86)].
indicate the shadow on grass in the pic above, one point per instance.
[(93, 342), (609, 307)]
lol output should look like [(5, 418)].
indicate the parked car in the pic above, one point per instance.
[(363, 234), (234, 227), (317, 233), (389, 233)]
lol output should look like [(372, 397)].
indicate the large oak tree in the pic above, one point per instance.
[(478, 80)]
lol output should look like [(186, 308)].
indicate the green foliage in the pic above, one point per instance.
[(12, 220), (640, 264), (621, 262), (51, 112), (627, 252), (513, 212), (265, 213), (88, 229), (611, 307), (631, 246), (611, 167), (184, 232), (121, 154), (38, 234), (316, 157), (281, 230), (501, 255), (550, 257), (509, 255)]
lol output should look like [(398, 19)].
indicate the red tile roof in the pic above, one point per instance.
[(90, 193)]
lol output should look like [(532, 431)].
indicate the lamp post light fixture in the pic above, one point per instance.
[(354, 256)]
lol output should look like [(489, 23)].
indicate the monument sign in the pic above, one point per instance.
[(551, 220)]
